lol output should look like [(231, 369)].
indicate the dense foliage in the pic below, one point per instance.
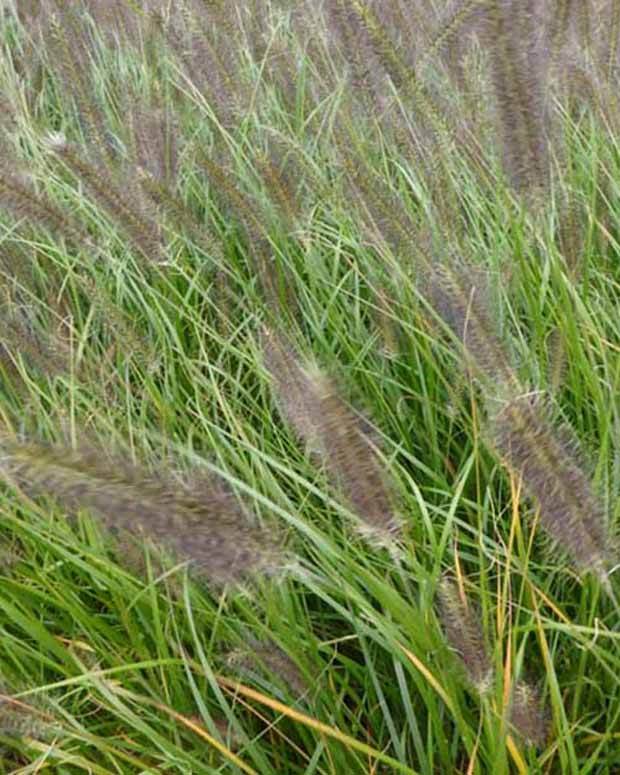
[(310, 445)]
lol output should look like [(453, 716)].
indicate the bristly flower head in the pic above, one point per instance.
[(20, 197), (125, 204), (18, 719), (202, 524), (528, 716), (41, 351), (267, 654), (352, 40), (154, 142), (460, 296), (554, 475), (9, 556), (463, 631), (310, 403), (519, 73)]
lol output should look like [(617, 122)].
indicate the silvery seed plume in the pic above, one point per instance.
[(463, 631), (528, 716), (202, 523), (312, 406), (554, 476)]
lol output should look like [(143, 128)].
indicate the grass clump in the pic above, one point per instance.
[(199, 203)]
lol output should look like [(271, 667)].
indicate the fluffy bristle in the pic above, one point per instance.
[(310, 403), (266, 654), (463, 631), (528, 717), (553, 474), (203, 525)]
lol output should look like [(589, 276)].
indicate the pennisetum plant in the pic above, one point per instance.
[(202, 38), (352, 41), (19, 719), (66, 28), (522, 432), (203, 523), (19, 196), (450, 24), (266, 655), (614, 40), (528, 716), (45, 353), (245, 211), (459, 295), (462, 628), (154, 141)]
